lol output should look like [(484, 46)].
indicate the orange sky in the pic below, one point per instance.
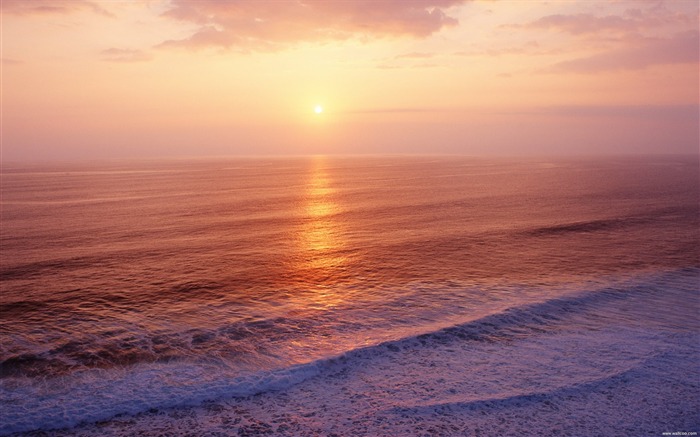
[(111, 79)]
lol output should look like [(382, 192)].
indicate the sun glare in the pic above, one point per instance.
[(318, 109)]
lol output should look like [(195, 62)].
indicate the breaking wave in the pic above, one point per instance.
[(96, 394)]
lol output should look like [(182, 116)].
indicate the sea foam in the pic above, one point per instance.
[(621, 328)]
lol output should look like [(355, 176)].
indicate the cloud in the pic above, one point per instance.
[(653, 112), (630, 21), (584, 23), (681, 48), (633, 39), (398, 110), (415, 55), (125, 55), (272, 25), (9, 61), (527, 48), (408, 60), (48, 7), (394, 66)]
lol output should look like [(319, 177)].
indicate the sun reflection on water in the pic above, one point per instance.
[(320, 236), (321, 261)]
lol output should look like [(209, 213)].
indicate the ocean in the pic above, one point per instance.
[(424, 295)]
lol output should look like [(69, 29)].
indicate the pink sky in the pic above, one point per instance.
[(111, 79)]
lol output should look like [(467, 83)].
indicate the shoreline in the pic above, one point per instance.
[(620, 380)]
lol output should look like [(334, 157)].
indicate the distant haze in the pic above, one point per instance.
[(112, 79)]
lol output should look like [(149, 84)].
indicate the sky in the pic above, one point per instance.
[(177, 78)]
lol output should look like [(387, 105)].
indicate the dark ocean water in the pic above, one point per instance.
[(132, 286)]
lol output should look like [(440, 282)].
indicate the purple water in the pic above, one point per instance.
[(142, 286)]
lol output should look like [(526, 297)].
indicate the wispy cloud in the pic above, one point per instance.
[(399, 110), (674, 112), (655, 15), (9, 61), (48, 7), (527, 48), (392, 66), (681, 48), (583, 23), (125, 55), (270, 25), (415, 55), (651, 33), (408, 60)]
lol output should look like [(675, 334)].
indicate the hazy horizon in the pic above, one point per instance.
[(93, 80), (165, 159)]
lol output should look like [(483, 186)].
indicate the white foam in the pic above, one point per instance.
[(95, 395), (591, 340), (576, 383)]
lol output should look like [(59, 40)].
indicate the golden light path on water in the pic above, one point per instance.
[(321, 238)]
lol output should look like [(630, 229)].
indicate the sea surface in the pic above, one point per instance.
[(134, 287)]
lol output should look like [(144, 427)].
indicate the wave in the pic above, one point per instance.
[(585, 226), (615, 223), (667, 297), (40, 268), (94, 395), (644, 370), (117, 347)]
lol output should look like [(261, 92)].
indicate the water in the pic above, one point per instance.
[(133, 286)]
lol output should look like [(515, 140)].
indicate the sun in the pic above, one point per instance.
[(318, 109)]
